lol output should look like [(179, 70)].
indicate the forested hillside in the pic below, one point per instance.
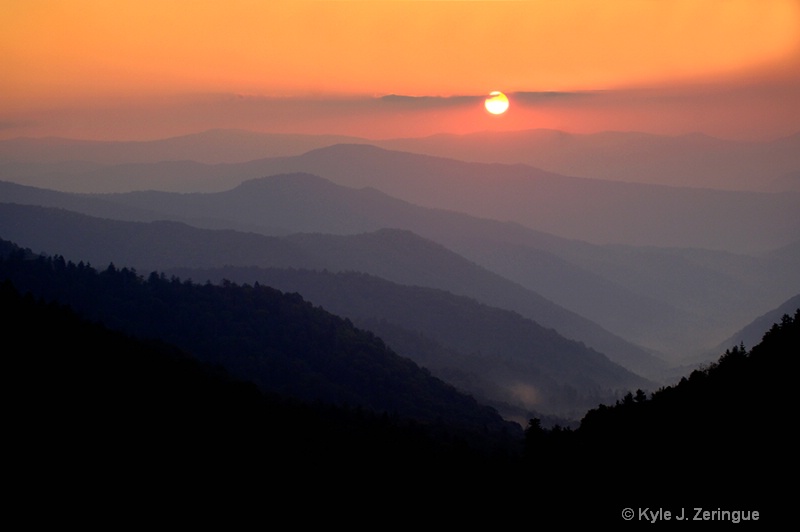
[(499, 356), (99, 419), (278, 341), (89, 401), (722, 436)]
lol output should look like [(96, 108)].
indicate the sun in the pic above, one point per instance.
[(496, 103)]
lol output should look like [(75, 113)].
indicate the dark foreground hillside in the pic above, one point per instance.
[(721, 438), (102, 426), (278, 341)]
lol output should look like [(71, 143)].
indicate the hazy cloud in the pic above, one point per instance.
[(521, 98), (548, 96), (429, 101)]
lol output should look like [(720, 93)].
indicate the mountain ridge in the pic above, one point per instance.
[(218, 248), (503, 359), (278, 341), (639, 293), (692, 159)]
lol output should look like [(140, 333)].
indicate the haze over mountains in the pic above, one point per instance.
[(500, 357), (645, 274), (695, 161), (169, 246), (597, 211), (277, 341), (90, 394), (670, 300)]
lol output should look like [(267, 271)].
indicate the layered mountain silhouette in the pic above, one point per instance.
[(122, 408), (693, 160), (593, 210), (278, 341), (396, 255), (589, 209), (496, 355), (644, 294), (162, 245), (528, 274)]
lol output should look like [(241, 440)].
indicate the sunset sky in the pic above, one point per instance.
[(387, 68)]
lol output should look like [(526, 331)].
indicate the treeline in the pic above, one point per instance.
[(723, 434), (280, 342), (97, 418), (126, 381), (483, 350)]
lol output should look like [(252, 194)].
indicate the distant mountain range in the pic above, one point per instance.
[(592, 210), (696, 161)]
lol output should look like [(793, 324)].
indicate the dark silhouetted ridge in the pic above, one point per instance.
[(279, 341)]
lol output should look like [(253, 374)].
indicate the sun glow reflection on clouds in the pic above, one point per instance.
[(92, 53)]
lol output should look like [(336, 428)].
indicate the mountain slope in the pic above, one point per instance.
[(752, 333), (279, 341), (720, 433), (494, 354), (305, 203), (399, 256), (674, 301), (126, 415), (597, 211), (593, 210), (693, 160)]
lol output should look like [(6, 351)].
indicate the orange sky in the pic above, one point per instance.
[(89, 67)]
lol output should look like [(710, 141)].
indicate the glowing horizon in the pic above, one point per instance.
[(95, 56)]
